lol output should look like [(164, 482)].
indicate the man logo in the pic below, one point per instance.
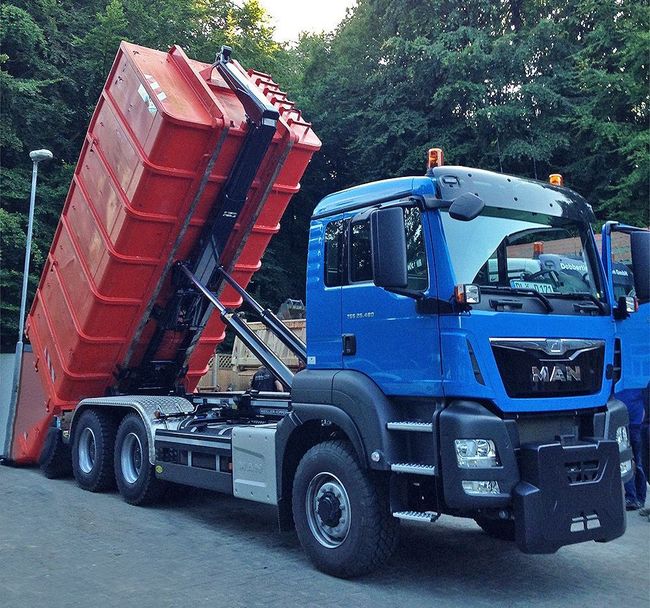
[(554, 346), (558, 373)]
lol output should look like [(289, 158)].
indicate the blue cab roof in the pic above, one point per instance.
[(496, 189), (387, 189)]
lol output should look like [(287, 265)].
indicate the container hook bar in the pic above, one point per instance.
[(257, 107), (270, 320), (245, 334)]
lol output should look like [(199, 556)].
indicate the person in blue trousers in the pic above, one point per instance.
[(635, 489)]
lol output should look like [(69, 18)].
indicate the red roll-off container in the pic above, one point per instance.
[(138, 200)]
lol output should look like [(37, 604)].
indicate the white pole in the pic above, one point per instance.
[(36, 156), (28, 253)]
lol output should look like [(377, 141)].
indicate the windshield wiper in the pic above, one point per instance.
[(518, 291), (582, 295)]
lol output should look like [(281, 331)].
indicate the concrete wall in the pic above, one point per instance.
[(6, 380)]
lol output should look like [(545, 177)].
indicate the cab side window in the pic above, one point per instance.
[(416, 253), (351, 240), (334, 235), (360, 255), (622, 269)]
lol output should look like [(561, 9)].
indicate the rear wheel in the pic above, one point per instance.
[(135, 476), (56, 458), (92, 451), (503, 529), (341, 512)]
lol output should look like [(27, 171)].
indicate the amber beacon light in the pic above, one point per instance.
[(435, 158), (556, 179)]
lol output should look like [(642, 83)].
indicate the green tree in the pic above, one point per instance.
[(55, 58), (612, 116), (31, 112), (527, 87)]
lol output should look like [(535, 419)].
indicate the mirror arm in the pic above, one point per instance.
[(432, 203), (411, 293), (424, 304)]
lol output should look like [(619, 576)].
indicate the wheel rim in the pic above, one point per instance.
[(131, 458), (328, 510), (87, 450)]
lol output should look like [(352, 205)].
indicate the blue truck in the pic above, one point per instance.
[(450, 368), (447, 372)]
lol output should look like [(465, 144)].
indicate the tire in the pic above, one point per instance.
[(55, 460), (92, 451), (328, 485), (135, 476), (503, 529)]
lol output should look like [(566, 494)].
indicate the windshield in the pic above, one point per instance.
[(551, 255)]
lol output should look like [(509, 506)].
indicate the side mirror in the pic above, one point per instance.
[(625, 306), (388, 245), (466, 207), (640, 249)]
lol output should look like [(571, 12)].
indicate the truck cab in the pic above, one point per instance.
[(487, 374)]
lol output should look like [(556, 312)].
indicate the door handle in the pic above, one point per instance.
[(349, 344)]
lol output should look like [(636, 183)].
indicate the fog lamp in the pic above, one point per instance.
[(476, 453), (626, 467), (480, 488), (622, 438)]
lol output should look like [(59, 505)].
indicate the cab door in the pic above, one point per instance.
[(383, 334), (325, 275), (624, 272)]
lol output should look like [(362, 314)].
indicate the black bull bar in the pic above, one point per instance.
[(568, 494)]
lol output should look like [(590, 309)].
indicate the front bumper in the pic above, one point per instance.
[(561, 490)]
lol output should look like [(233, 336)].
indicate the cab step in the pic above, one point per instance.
[(427, 516), (407, 425), (416, 469)]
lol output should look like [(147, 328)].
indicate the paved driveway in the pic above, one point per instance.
[(63, 547)]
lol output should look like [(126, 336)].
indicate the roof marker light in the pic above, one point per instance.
[(556, 179), (435, 158)]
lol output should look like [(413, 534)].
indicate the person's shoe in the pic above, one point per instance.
[(631, 505), (644, 512)]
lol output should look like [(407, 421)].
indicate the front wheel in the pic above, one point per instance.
[(134, 474), (341, 512)]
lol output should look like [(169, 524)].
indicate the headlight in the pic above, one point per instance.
[(480, 488), (622, 438), (476, 453)]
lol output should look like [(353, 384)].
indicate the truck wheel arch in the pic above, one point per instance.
[(305, 427), (363, 405), (146, 407), (331, 403)]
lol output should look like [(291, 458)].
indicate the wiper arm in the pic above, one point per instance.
[(582, 295), (524, 292)]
